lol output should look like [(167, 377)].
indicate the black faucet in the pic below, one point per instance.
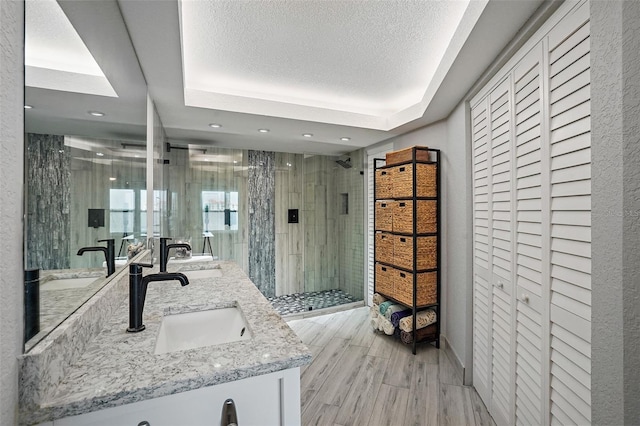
[(138, 291), (109, 253), (164, 251)]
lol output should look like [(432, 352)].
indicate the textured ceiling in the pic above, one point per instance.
[(55, 56), (329, 68), (372, 58)]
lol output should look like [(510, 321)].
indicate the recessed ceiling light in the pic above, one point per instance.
[(289, 164), (263, 130), (28, 107), (112, 179), (235, 162), (307, 135), (215, 125), (99, 154), (345, 139), (96, 113)]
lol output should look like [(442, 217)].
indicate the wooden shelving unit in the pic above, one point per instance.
[(407, 231)]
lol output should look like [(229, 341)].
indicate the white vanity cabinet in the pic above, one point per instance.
[(270, 399)]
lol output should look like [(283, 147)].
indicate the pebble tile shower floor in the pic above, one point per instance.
[(300, 302)]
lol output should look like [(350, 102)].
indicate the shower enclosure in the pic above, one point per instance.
[(298, 219)]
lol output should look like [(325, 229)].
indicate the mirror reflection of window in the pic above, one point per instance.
[(122, 203), (219, 211)]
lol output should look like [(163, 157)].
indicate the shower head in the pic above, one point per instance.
[(345, 163)]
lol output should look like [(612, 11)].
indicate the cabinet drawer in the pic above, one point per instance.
[(384, 215), (384, 187), (425, 216), (426, 257), (426, 286), (425, 180)]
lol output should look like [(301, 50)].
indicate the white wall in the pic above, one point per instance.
[(450, 136), (11, 186), (615, 121)]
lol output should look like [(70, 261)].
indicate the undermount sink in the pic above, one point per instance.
[(203, 273), (180, 332), (67, 283), (190, 259)]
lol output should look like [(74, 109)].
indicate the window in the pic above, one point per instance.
[(219, 210)]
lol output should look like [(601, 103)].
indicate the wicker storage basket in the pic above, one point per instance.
[(403, 217), (404, 155), (384, 247), (384, 279), (425, 180), (384, 187), (384, 215), (426, 285), (426, 257)]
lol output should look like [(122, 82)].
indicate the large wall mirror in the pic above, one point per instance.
[(85, 152)]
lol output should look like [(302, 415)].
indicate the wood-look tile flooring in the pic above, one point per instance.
[(359, 377)]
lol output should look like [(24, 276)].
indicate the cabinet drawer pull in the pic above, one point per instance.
[(403, 204), (384, 269), (383, 205), (403, 275), (383, 173), (403, 240), (401, 169)]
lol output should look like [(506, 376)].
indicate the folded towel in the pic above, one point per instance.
[(378, 298), (423, 319), (375, 310), (392, 309), (386, 325), (397, 316), (425, 333), (384, 306)]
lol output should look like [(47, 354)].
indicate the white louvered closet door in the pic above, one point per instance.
[(570, 140), (532, 235), (531, 218), (500, 208), (481, 300)]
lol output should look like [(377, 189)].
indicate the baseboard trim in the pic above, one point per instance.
[(453, 357)]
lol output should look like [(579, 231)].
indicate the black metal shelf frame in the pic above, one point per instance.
[(415, 234)]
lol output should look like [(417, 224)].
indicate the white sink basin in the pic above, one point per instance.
[(203, 273), (67, 283), (204, 258), (180, 332)]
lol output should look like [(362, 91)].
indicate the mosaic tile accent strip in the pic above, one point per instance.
[(301, 302), (262, 226), (48, 181)]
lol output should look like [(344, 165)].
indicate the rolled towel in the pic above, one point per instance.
[(378, 298), (375, 322), (423, 319), (384, 306), (397, 316), (386, 326), (375, 310), (392, 309), (427, 332)]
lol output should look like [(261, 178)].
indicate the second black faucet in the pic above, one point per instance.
[(164, 251)]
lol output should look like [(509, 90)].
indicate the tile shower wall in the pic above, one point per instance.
[(188, 174), (48, 176), (262, 235), (93, 177), (289, 236)]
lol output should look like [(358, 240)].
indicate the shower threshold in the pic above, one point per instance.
[(308, 302)]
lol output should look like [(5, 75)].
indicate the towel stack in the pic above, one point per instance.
[(394, 318)]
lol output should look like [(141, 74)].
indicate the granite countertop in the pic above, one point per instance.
[(121, 368)]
